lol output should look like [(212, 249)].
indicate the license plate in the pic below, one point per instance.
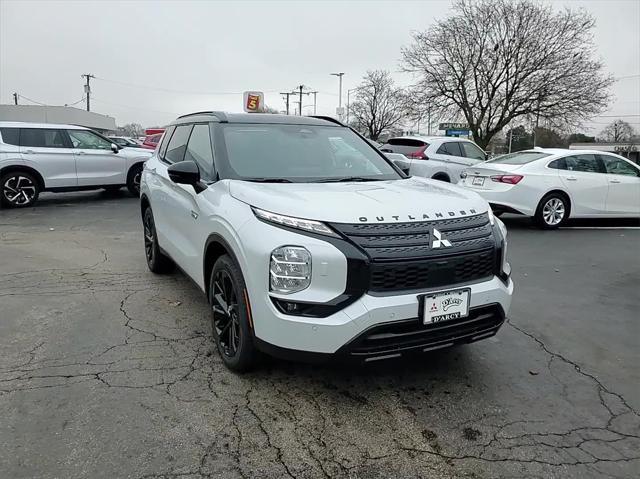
[(478, 181), (446, 305)]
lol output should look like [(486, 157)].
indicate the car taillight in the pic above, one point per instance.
[(510, 179), (419, 153)]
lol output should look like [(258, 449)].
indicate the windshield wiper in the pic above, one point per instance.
[(268, 180), (347, 179)]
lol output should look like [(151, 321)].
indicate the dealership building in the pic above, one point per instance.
[(627, 149), (66, 115)]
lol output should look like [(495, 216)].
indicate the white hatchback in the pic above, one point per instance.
[(439, 157), (36, 157), (552, 185)]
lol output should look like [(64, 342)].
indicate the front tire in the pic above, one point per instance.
[(230, 316), (157, 261), (553, 211), (133, 180), (19, 189)]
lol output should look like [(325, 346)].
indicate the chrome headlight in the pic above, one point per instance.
[(297, 223), (289, 269)]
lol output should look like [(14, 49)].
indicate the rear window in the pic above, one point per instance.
[(519, 158), (10, 136), (405, 146), (43, 138)]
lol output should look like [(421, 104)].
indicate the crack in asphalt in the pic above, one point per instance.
[(173, 359)]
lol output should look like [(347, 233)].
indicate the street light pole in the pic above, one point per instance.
[(339, 75)]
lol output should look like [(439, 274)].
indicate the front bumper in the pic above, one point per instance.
[(379, 327)]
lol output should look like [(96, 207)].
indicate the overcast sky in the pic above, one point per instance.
[(156, 60)]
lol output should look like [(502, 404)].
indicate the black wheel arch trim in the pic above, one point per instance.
[(27, 169)]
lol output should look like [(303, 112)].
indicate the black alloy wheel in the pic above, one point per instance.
[(133, 180), (19, 189), (230, 319), (156, 260), (225, 313)]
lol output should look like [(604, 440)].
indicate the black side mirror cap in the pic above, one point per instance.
[(186, 173)]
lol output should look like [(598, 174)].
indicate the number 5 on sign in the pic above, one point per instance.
[(253, 101)]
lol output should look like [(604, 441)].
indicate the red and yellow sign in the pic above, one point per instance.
[(253, 101)]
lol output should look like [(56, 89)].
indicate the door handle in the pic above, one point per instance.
[(614, 181), (30, 152), (572, 178), (194, 215), (81, 153)]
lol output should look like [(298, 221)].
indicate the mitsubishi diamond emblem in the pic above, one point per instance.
[(438, 241)]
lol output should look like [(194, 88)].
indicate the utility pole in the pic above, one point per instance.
[(429, 120), (15, 98), (286, 95), (87, 88), (300, 87), (339, 75), (314, 101)]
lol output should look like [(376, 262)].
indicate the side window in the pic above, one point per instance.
[(42, 138), (88, 140), (178, 144), (559, 164), (450, 148), (199, 151), (10, 136), (472, 151), (616, 166), (584, 163), (165, 141)]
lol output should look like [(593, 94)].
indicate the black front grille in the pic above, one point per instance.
[(411, 335), (403, 258), (432, 273), (390, 241)]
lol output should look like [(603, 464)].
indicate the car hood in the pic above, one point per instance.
[(413, 199)]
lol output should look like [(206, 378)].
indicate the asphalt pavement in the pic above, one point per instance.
[(109, 371)]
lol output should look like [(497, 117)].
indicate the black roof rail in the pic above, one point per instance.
[(328, 118), (220, 115)]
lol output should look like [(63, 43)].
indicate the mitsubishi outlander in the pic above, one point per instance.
[(310, 244)]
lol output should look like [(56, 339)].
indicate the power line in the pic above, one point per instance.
[(171, 90), (32, 101), (614, 116), (628, 76)]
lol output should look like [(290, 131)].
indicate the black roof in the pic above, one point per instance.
[(255, 118)]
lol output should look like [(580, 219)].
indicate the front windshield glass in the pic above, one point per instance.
[(300, 153), (519, 157)]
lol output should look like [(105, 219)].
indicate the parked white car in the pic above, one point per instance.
[(552, 185), (38, 157), (438, 157)]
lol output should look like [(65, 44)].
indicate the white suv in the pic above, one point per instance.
[(45, 157), (307, 250), (439, 157)]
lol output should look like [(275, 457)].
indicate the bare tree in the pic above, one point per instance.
[(618, 130), (494, 61), (379, 105), (131, 129), (268, 109)]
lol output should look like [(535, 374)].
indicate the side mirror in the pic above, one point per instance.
[(115, 148), (186, 173)]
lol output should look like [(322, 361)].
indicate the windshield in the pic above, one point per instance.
[(300, 153), (519, 157)]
